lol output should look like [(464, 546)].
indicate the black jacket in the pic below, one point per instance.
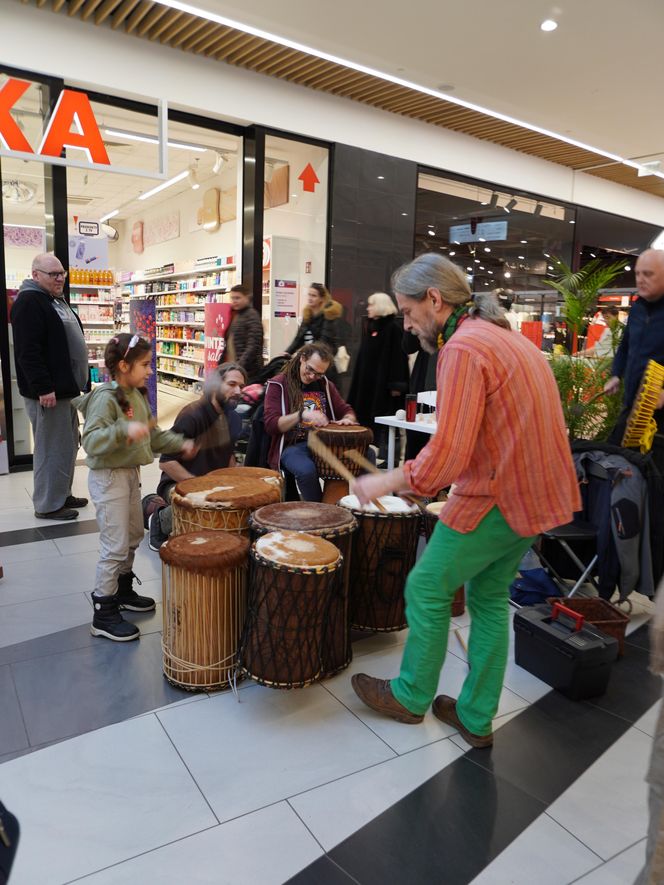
[(643, 340), (323, 326), (247, 333), (381, 367), (40, 345)]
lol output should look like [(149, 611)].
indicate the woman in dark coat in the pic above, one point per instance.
[(380, 378), (320, 321)]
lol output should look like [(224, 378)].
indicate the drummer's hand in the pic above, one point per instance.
[(189, 450), (315, 418), (347, 419), (369, 486), (137, 430)]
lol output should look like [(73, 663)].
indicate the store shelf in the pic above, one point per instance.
[(179, 374), (183, 323), (98, 340), (186, 359), (180, 304), (92, 302), (89, 322), (90, 286), (182, 340), (173, 390), (192, 272)]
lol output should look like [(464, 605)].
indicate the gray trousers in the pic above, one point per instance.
[(56, 438), (116, 495), (653, 872)]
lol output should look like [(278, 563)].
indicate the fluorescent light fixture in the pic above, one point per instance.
[(650, 168), (510, 205), (150, 139), (223, 20), (164, 185), (109, 215), (548, 25), (28, 226)]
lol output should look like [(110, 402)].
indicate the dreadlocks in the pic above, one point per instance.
[(292, 370)]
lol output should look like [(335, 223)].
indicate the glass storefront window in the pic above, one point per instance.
[(501, 239), (295, 234)]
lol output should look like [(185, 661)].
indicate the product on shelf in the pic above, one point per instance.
[(86, 276)]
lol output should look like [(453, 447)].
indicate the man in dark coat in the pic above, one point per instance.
[(245, 345), (51, 369)]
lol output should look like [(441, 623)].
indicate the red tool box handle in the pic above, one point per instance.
[(559, 608)]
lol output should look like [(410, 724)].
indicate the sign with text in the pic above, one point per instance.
[(475, 233), (88, 228), (86, 251), (284, 298), (217, 321)]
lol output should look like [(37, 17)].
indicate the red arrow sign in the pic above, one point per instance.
[(308, 178)]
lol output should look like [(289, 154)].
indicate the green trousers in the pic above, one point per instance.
[(486, 561)]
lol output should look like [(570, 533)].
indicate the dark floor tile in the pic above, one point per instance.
[(640, 637), (49, 532), (91, 687), (322, 872), (632, 687), (549, 745), (147, 622), (54, 643), (7, 757), (445, 831), (13, 736), (20, 536)]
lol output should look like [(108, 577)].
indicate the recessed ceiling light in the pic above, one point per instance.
[(592, 255), (572, 222), (524, 241), (452, 253), (431, 225), (380, 177), (490, 271), (432, 233), (522, 257), (482, 239), (405, 214), (548, 25), (477, 261), (628, 267), (550, 266), (481, 267), (507, 275), (293, 195), (487, 249), (469, 268)]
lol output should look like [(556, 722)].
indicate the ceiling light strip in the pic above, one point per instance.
[(224, 21), (164, 185)]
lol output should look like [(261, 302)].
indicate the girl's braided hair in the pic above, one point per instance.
[(129, 348)]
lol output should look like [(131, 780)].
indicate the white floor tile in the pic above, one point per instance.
[(523, 683), (403, 738), (270, 746), (377, 642), (99, 799), (78, 543), (226, 854), (525, 860), (337, 810), (34, 580), (607, 808), (620, 870), (29, 620), (27, 553)]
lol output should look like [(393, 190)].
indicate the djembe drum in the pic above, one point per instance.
[(339, 438), (384, 550), (273, 477), (430, 520), (293, 579), (335, 524), (221, 502), (204, 607)]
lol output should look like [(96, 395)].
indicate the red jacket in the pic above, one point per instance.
[(277, 404)]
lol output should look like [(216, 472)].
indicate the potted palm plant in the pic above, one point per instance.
[(581, 379)]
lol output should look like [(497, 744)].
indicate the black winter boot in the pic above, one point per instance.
[(129, 599), (107, 620)]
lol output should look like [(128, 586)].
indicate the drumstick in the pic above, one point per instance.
[(315, 443), (363, 462), (461, 640)]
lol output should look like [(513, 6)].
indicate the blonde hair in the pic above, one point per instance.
[(382, 304)]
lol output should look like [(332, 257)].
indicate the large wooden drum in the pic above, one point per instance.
[(272, 477), (430, 520), (293, 579), (384, 551), (204, 607), (335, 524), (221, 501), (339, 438)]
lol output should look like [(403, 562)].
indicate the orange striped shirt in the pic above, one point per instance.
[(500, 438)]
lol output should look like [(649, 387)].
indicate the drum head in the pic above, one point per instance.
[(297, 549), (227, 491), (302, 516), (435, 507), (204, 552), (390, 502)]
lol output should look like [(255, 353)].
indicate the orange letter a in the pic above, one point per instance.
[(73, 108)]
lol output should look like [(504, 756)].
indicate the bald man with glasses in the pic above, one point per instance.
[(51, 369)]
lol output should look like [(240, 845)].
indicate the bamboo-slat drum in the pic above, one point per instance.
[(222, 501), (335, 524), (204, 607), (384, 550), (430, 519), (293, 578)]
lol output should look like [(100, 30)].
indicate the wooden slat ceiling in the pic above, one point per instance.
[(181, 30)]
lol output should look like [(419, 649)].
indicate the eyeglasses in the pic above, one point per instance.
[(313, 372), (132, 343), (53, 274)]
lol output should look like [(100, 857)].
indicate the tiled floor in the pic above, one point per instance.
[(119, 777)]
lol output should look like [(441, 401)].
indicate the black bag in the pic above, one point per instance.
[(9, 832)]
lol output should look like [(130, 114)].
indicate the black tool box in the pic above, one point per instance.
[(552, 643)]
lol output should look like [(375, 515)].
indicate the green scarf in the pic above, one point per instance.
[(455, 319)]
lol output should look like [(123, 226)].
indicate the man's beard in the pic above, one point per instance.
[(428, 338), (232, 401)]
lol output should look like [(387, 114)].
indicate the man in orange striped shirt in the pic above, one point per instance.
[(501, 440)]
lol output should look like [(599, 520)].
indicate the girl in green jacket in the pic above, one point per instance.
[(119, 435)]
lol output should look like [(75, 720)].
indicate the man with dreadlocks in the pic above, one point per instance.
[(297, 400)]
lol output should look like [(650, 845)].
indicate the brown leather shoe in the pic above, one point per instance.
[(377, 694), (444, 708)]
